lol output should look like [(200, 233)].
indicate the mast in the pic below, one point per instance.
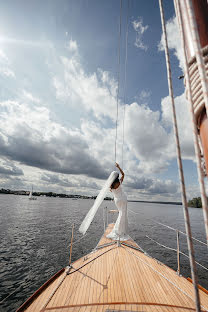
[(200, 8), (193, 24)]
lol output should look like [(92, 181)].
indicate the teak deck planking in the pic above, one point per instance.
[(117, 278)]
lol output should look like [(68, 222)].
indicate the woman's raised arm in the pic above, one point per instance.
[(121, 171)]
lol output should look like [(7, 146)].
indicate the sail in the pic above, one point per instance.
[(91, 213)]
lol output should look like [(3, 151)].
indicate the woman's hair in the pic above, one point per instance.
[(114, 182)]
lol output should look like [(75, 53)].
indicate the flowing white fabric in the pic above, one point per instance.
[(91, 213), (120, 229)]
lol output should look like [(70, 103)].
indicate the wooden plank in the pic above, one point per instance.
[(175, 279), (120, 276)]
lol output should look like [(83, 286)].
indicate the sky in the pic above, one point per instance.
[(60, 76)]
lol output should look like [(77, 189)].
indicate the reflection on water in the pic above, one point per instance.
[(35, 237)]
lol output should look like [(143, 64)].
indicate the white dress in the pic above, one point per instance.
[(121, 226)]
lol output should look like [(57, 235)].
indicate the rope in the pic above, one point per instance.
[(137, 213), (173, 249), (67, 272), (179, 232), (118, 87), (82, 266), (78, 240), (151, 267), (55, 290), (202, 74), (125, 77), (180, 167), (171, 228)]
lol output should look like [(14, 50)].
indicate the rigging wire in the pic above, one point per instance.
[(180, 167), (179, 232), (173, 249), (118, 86), (125, 77), (159, 273), (169, 227)]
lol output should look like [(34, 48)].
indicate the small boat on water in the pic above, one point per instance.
[(31, 197)]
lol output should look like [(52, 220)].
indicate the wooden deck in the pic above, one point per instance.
[(116, 278)]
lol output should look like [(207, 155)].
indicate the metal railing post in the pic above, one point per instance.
[(71, 245), (178, 253)]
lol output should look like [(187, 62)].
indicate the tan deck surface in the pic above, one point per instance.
[(116, 278)]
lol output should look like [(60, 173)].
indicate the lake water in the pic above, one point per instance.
[(35, 238)]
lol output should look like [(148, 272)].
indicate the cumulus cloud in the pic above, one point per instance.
[(5, 66), (184, 123), (30, 137), (29, 97), (13, 183), (174, 40), (72, 183), (3, 57), (140, 29), (8, 168), (56, 179), (94, 92), (72, 46), (147, 138), (7, 72), (142, 187), (182, 111)]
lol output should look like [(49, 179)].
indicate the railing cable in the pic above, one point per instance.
[(173, 249), (199, 241), (169, 227)]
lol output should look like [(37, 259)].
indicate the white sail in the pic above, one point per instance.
[(91, 213)]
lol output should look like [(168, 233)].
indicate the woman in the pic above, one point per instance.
[(120, 229)]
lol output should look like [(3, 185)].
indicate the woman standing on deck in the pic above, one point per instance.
[(120, 229)]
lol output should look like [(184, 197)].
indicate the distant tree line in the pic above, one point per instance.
[(48, 194), (195, 202)]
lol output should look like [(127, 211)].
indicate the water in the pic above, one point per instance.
[(35, 238)]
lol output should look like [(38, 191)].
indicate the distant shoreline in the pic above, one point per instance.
[(156, 202), (52, 194)]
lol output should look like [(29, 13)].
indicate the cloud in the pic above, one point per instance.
[(3, 56), (163, 187), (10, 169), (73, 183), (7, 72), (183, 121), (5, 66), (28, 96), (56, 179), (140, 29), (146, 137), (95, 93), (146, 188), (72, 46), (12, 183), (174, 40), (29, 136)]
